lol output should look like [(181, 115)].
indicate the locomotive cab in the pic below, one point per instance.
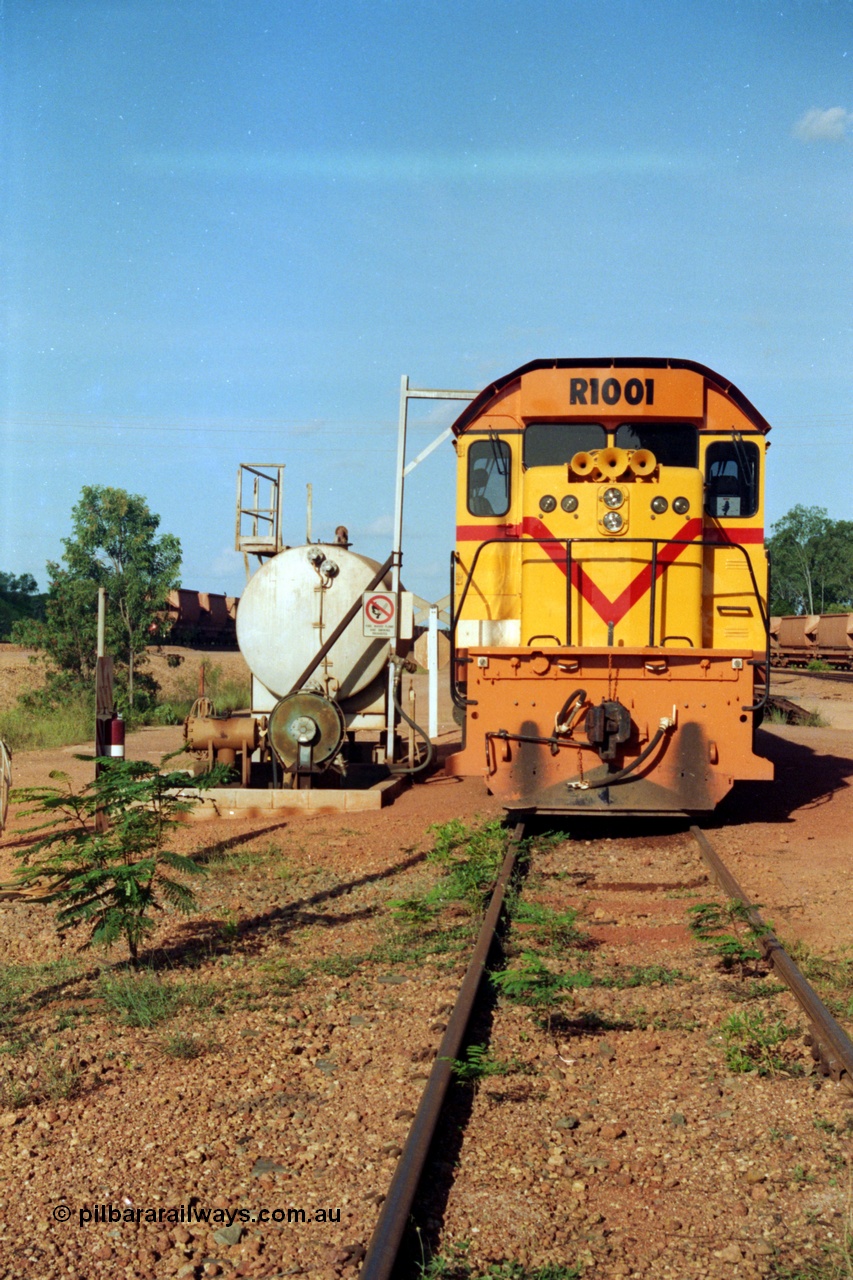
[(609, 534)]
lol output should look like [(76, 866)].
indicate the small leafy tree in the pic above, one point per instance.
[(112, 881), (114, 545), (19, 598), (812, 559)]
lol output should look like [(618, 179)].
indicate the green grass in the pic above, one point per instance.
[(22, 986), (411, 947), (145, 999), (650, 975), (339, 966), (71, 723), (52, 1074), (282, 976), (182, 1046), (225, 692), (752, 1043), (548, 928), (140, 1000), (453, 1264), (832, 977)]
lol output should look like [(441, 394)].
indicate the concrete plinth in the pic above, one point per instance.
[(236, 802)]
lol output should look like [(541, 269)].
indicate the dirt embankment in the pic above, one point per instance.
[(175, 669)]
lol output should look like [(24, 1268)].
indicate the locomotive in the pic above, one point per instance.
[(609, 634)]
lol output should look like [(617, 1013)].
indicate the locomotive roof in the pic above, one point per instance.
[(476, 407)]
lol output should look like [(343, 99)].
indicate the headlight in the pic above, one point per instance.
[(612, 521), (613, 498), (680, 506), (659, 505), (569, 503), (547, 503)]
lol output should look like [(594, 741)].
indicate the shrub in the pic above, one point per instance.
[(103, 859)]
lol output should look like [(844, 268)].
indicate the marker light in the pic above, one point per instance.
[(613, 498), (612, 521), (659, 505), (680, 506), (569, 503), (547, 503)]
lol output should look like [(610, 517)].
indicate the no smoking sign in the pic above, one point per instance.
[(379, 612)]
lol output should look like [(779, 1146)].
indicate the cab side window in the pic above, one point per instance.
[(731, 479), (488, 477)]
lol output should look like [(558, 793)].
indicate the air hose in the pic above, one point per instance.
[(613, 778), (418, 768)]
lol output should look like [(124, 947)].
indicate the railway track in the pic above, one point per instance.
[(839, 677), (606, 1130), (578, 1044)]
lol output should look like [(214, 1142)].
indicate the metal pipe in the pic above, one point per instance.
[(568, 592), (102, 620), (388, 1232), (340, 628), (396, 552), (432, 670), (837, 1045)]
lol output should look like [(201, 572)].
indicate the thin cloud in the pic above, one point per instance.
[(823, 126)]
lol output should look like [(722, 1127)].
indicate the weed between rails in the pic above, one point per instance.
[(728, 932), (479, 1063), (453, 1264)]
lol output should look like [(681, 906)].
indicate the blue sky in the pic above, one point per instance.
[(228, 228)]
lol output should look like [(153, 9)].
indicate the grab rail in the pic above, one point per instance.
[(458, 697)]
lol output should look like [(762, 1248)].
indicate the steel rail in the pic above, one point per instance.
[(388, 1233), (829, 1039), (839, 675)]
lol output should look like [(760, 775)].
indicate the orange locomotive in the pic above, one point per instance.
[(609, 619)]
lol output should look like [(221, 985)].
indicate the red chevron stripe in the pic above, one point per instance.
[(608, 610)]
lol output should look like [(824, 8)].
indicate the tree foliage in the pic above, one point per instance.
[(112, 881), (114, 544), (19, 599), (812, 562)]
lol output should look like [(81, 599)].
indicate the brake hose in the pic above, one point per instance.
[(623, 773)]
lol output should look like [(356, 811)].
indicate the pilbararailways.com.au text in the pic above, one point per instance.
[(190, 1214)]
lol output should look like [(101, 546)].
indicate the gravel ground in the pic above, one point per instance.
[(623, 1142), (293, 1021)]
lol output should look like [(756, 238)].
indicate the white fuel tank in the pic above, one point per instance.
[(290, 608)]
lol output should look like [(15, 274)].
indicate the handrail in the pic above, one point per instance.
[(455, 614)]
